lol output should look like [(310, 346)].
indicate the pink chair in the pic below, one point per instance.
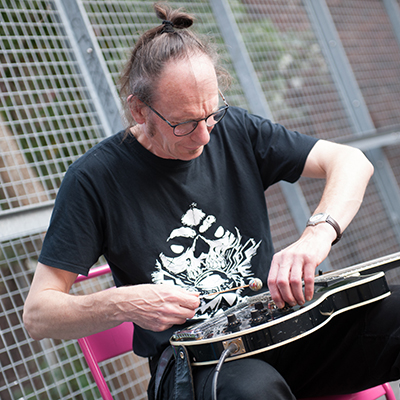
[(117, 341), (368, 394), (94, 272), (104, 345)]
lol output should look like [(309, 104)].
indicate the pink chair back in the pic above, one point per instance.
[(94, 272), (110, 343)]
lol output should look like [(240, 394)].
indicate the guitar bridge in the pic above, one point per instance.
[(239, 344)]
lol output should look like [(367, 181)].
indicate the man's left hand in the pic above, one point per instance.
[(296, 264)]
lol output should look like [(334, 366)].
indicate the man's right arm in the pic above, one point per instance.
[(51, 312)]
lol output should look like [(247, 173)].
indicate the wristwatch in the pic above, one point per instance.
[(324, 217)]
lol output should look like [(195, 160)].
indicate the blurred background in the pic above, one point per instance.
[(326, 68)]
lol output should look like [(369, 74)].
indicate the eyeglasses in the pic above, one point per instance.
[(187, 127)]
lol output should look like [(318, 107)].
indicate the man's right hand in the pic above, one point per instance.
[(51, 312), (157, 307)]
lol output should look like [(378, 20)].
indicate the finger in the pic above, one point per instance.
[(284, 282), (296, 284), (178, 296), (283, 290), (191, 301), (308, 277), (272, 284), (159, 323), (189, 313)]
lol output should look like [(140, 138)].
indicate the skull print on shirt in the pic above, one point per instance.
[(206, 258)]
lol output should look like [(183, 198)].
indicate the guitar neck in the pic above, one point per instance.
[(384, 264)]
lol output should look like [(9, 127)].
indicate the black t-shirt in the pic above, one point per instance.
[(199, 224)]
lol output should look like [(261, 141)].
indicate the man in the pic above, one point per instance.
[(177, 207)]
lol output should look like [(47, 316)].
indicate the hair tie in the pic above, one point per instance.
[(168, 27)]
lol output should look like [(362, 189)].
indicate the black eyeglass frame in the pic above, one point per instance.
[(221, 109)]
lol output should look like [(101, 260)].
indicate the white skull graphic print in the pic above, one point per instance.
[(206, 258)]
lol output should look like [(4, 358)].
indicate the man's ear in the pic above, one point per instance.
[(137, 109)]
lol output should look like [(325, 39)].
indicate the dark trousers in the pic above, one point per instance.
[(356, 350)]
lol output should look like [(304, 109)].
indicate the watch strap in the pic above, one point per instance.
[(336, 227), (327, 218)]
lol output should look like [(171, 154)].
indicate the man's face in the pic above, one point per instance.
[(187, 90)]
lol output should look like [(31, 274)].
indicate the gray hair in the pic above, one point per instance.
[(172, 40)]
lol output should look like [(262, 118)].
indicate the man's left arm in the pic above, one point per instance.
[(347, 172)]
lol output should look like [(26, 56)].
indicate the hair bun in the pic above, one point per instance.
[(182, 21), (178, 18)]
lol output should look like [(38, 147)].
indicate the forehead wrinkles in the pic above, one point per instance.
[(188, 86)]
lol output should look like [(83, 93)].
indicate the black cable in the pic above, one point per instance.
[(231, 349)]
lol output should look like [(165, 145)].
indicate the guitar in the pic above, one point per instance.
[(256, 325)]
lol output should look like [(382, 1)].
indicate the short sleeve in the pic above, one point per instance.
[(74, 239)]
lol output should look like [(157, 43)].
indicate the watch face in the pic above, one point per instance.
[(317, 218), (325, 217)]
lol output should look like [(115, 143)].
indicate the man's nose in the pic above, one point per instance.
[(201, 135)]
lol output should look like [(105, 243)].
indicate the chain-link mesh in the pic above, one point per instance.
[(32, 370), (51, 369), (49, 117), (291, 67), (374, 54)]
